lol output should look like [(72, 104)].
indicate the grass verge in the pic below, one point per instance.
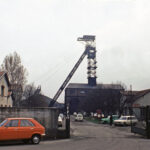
[(94, 120)]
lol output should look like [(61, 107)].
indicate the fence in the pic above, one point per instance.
[(142, 127)]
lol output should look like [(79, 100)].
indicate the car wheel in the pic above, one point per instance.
[(36, 139), (134, 124), (26, 141)]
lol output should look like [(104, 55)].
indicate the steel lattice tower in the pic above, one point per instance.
[(91, 57)]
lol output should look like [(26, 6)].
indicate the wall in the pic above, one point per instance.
[(48, 117)]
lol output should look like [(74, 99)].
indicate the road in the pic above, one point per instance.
[(90, 136)]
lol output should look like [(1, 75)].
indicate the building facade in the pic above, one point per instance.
[(5, 93), (82, 97)]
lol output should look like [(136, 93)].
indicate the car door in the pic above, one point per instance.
[(2, 129), (26, 129), (129, 120), (10, 130)]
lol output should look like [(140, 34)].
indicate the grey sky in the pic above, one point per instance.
[(44, 33)]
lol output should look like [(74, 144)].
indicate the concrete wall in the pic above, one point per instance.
[(48, 117)]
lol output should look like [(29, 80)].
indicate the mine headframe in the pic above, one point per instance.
[(90, 51)]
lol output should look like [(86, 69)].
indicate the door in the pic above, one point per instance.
[(26, 129), (10, 130), (2, 129)]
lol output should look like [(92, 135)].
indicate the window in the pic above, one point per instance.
[(1, 124), (123, 118), (82, 92), (2, 90), (12, 123), (26, 123), (72, 91)]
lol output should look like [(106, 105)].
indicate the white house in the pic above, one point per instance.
[(134, 99), (142, 98), (5, 95)]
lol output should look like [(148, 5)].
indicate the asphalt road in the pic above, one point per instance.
[(89, 136)]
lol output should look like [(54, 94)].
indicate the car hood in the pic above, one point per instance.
[(118, 120)]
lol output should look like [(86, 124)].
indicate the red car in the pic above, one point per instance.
[(25, 129)]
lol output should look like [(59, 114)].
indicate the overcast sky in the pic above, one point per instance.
[(44, 33)]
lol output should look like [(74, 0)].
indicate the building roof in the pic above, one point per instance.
[(132, 96), (1, 73), (129, 93), (38, 100), (141, 94), (98, 86)]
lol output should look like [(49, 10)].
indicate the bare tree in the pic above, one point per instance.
[(123, 85), (17, 75), (30, 90), (16, 72)]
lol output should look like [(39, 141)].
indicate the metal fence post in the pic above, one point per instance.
[(147, 122), (67, 121)]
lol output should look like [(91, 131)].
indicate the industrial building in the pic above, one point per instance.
[(83, 97)]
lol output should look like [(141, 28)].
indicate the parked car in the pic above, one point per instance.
[(75, 114), (59, 121), (107, 120), (79, 117), (62, 116), (26, 129), (95, 115), (126, 120)]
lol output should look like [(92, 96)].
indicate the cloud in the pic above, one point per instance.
[(44, 33)]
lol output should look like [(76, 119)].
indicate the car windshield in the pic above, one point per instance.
[(123, 118), (2, 123), (131, 118)]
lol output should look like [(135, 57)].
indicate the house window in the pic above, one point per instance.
[(2, 90)]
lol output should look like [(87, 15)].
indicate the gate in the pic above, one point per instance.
[(142, 126)]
